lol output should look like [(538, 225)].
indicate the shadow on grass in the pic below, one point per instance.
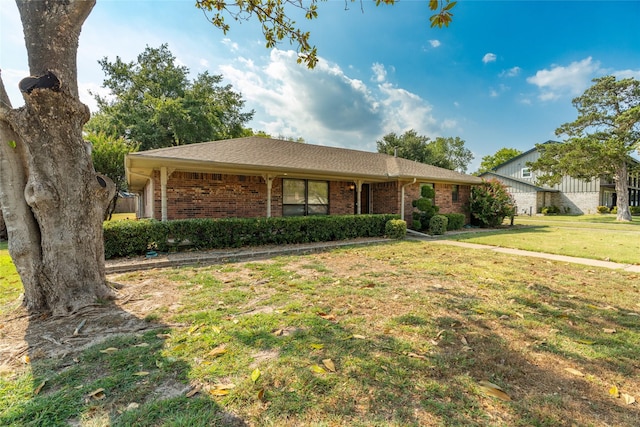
[(103, 367)]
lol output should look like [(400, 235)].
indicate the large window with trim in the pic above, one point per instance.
[(305, 197)]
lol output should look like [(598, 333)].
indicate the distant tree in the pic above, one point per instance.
[(153, 103), (448, 153), (492, 161), (108, 156), (250, 132), (601, 139), (275, 18), (409, 146)]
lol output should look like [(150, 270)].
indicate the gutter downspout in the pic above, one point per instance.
[(402, 198)]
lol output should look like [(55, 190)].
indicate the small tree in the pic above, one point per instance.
[(491, 203), (426, 208)]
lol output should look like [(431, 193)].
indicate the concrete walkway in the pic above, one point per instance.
[(122, 265)]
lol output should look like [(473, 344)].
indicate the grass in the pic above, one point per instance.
[(589, 236), (401, 334), (10, 284)]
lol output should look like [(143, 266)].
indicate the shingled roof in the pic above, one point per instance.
[(255, 155)]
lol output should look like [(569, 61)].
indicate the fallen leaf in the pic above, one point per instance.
[(479, 310), (141, 374), (159, 363), (328, 363), (440, 333), (628, 399), (162, 336), (97, 394), (608, 331), (574, 372), (359, 337), (39, 388), (278, 332), (464, 340), (218, 392), (142, 344), (26, 359), (193, 391), (325, 316), (260, 395), (317, 369), (316, 346), (416, 356), (109, 350), (586, 342), (493, 390), (218, 351), (255, 375), (132, 405), (613, 392), (179, 347)]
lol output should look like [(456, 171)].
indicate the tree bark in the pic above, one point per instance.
[(53, 199), (621, 179)]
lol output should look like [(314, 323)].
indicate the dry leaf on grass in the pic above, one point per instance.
[(613, 392), (218, 392), (328, 363), (608, 331), (193, 391), (574, 372), (493, 390), (417, 356), (39, 388), (255, 375), (97, 394), (109, 350), (218, 351), (142, 344), (627, 398), (141, 374), (316, 346), (317, 369)]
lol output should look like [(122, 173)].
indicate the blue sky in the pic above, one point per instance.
[(502, 75)]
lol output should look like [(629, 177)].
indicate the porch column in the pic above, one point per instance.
[(269, 180), (402, 198), (163, 192), (359, 196)]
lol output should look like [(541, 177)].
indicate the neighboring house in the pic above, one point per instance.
[(572, 195), (260, 177)]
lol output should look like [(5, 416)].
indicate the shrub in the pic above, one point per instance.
[(491, 203), (635, 210), (550, 210), (614, 210), (455, 221), (395, 229), (416, 225), (438, 224), (126, 238), (602, 209), (426, 208)]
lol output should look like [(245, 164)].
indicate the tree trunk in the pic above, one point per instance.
[(3, 228), (52, 198), (622, 192)]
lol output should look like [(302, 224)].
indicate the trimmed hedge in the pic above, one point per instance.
[(456, 221), (438, 224), (126, 238), (396, 229)]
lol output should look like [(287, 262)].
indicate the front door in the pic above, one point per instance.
[(364, 198)]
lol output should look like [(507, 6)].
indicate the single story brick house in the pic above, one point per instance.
[(261, 177)]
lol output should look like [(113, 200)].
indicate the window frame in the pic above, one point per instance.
[(303, 207), (455, 193), (526, 173)]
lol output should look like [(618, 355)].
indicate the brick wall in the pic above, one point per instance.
[(206, 195)]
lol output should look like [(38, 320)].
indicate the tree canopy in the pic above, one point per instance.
[(600, 140), (275, 18), (153, 103), (449, 153), (492, 161)]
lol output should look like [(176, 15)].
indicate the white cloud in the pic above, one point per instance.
[(489, 57), (233, 47), (626, 74), (379, 73), (435, 43), (325, 105), (570, 80), (511, 72)]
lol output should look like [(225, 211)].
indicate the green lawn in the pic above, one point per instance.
[(10, 285), (590, 236), (398, 334)]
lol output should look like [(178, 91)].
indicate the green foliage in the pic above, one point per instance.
[(603, 210), (438, 224), (492, 161), (108, 156), (449, 153), (491, 203), (635, 210), (125, 238), (275, 19), (455, 221), (614, 210), (550, 210), (153, 103), (395, 229), (425, 207)]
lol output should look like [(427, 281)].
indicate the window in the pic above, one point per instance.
[(303, 197), (526, 173), (455, 192)]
